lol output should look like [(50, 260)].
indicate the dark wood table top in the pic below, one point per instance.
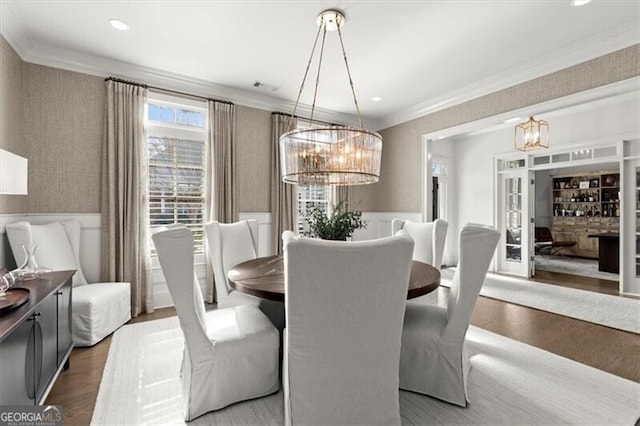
[(264, 277), (39, 289)]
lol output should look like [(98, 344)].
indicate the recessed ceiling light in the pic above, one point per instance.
[(119, 25), (578, 3), (376, 99)]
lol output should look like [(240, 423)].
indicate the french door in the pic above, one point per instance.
[(514, 222), (630, 227)]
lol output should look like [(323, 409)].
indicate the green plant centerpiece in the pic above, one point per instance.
[(338, 226)]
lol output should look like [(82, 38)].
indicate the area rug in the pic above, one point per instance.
[(573, 266), (612, 311), (510, 383)]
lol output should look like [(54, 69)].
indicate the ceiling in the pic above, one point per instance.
[(418, 56)]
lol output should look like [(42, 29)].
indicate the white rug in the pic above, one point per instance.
[(573, 266), (612, 311), (510, 383)]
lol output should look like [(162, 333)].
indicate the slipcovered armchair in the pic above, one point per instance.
[(228, 245), (429, 239), (230, 354), (344, 304), (434, 358), (98, 309)]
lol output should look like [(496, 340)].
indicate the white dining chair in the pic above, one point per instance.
[(230, 354), (434, 358), (344, 305), (429, 239), (228, 245), (98, 309)]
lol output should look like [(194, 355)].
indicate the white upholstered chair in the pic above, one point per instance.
[(230, 354), (434, 358), (98, 309), (429, 239), (344, 304), (228, 245)]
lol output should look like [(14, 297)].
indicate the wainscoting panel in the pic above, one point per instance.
[(378, 225), (264, 230), (89, 239)]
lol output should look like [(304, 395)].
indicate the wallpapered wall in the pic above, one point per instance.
[(399, 186), (11, 134), (55, 118)]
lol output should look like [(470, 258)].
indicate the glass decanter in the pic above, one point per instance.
[(30, 269)]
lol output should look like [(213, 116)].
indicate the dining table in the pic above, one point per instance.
[(264, 277)]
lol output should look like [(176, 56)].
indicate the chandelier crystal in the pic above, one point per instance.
[(329, 154)]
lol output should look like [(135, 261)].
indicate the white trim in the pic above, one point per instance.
[(587, 99)]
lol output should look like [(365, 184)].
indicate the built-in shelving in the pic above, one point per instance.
[(583, 205)]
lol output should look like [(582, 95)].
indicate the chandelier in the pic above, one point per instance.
[(532, 134), (330, 154)]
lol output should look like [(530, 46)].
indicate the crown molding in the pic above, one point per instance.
[(585, 100), (590, 48)]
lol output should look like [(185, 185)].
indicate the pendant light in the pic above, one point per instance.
[(330, 154)]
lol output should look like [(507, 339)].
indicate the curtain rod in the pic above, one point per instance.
[(161, 89)]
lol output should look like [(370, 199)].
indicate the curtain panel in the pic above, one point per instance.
[(221, 204), (124, 203), (284, 196)]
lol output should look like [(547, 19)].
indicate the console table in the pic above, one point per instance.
[(35, 340)]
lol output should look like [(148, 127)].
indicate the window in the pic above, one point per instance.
[(177, 168), (310, 197)]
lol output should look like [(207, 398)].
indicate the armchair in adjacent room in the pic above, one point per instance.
[(545, 244)]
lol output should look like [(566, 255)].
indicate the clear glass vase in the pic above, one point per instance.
[(30, 270)]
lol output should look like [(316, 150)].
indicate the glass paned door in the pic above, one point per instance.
[(513, 220), (630, 228)]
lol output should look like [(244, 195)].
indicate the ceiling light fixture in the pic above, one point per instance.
[(532, 134), (119, 25), (578, 3), (376, 99), (328, 154)]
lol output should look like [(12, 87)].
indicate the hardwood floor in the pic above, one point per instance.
[(601, 347)]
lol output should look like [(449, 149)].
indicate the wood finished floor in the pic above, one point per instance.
[(601, 347)]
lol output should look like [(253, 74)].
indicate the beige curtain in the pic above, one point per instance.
[(221, 173), (284, 196), (343, 193), (124, 204)]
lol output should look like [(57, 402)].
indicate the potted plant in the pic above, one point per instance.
[(337, 226)]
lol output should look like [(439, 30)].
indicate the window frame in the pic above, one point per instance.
[(170, 130)]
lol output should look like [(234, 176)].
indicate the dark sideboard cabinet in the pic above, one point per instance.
[(35, 340)]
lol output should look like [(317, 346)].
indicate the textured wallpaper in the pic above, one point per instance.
[(56, 119), (399, 186), (11, 128), (63, 127), (253, 158)]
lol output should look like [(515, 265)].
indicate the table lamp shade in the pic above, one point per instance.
[(13, 173)]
